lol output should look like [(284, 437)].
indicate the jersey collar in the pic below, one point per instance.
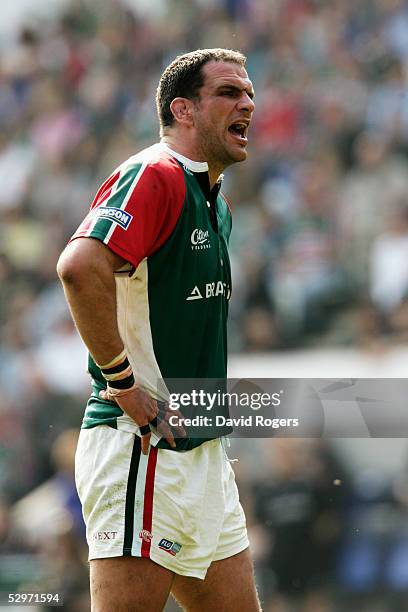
[(194, 166)]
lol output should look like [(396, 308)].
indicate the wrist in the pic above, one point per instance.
[(118, 373), (113, 362), (114, 393)]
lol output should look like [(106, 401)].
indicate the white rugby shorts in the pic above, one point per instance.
[(180, 509)]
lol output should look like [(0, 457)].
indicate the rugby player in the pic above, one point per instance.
[(147, 279)]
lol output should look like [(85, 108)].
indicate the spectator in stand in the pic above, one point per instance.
[(299, 507), (379, 176), (389, 262)]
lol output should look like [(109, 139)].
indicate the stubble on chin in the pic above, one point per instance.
[(216, 152)]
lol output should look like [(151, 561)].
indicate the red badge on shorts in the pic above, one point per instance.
[(145, 535)]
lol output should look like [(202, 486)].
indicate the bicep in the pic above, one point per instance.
[(89, 254)]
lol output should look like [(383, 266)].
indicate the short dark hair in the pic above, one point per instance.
[(184, 78)]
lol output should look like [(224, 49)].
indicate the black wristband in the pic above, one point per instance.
[(122, 383), (121, 367), (144, 429)]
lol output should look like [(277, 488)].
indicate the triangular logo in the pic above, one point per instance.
[(195, 294)]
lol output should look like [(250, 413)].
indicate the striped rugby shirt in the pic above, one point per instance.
[(157, 212)]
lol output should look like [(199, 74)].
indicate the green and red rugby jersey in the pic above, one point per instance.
[(157, 212)]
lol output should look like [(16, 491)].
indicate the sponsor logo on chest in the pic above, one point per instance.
[(200, 240), (210, 290)]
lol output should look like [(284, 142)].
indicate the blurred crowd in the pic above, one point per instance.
[(326, 538), (320, 208)]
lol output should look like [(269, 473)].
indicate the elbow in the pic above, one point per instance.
[(65, 269), (69, 269)]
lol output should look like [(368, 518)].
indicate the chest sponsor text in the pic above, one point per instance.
[(200, 239), (210, 290)]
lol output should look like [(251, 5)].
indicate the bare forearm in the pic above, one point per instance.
[(93, 308), (91, 294)]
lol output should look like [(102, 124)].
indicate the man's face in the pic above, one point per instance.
[(223, 113)]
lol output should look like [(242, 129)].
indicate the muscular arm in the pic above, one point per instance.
[(86, 269)]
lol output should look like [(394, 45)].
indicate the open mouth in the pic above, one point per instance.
[(239, 129)]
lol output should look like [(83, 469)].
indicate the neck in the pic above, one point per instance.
[(187, 149)]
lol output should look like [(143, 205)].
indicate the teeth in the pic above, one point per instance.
[(240, 128)]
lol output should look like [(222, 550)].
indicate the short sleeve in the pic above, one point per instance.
[(136, 210)]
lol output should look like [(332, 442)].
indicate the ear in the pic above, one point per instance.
[(182, 109)]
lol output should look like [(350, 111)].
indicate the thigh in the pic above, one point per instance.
[(228, 586), (129, 584)]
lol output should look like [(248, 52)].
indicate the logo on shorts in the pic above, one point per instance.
[(171, 547), (145, 535), (99, 536), (116, 215)]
